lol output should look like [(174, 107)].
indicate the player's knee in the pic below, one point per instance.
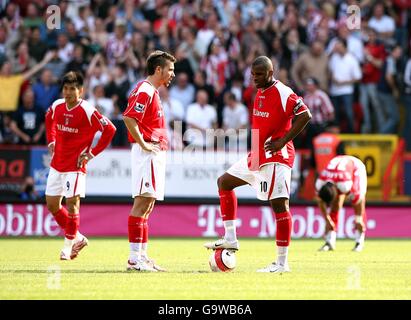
[(280, 205), (223, 183), (53, 208)]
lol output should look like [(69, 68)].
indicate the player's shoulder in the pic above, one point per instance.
[(143, 87), (88, 108), (58, 103)]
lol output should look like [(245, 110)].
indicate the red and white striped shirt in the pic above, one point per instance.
[(321, 107)]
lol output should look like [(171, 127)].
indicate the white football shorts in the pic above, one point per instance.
[(148, 172), (66, 184), (272, 181)]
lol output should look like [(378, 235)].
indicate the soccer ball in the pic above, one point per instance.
[(222, 260)]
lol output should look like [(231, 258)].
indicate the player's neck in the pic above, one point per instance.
[(155, 83), (269, 84), (73, 104)]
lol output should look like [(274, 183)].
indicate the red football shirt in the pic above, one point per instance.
[(72, 131), (273, 112), (343, 172), (145, 107)]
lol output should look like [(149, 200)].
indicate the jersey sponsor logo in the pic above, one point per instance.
[(160, 114), (66, 129), (261, 114), (139, 107), (298, 105)]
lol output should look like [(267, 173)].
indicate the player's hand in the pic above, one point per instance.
[(83, 159), (274, 145), (151, 147)]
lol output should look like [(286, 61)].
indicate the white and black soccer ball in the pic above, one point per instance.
[(222, 260)]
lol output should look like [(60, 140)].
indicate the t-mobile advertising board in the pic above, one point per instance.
[(200, 221)]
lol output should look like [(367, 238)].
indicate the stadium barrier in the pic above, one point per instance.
[(103, 220)]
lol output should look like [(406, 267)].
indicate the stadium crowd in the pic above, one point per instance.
[(355, 75)]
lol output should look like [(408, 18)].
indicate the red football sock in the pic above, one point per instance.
[(284, 226), (135, 229), (334, 218), (61, 217), (145, 232), (72, 224), (228, 204)]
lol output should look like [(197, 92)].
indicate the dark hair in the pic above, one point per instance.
[(73, 78), (156, 59), (343, 41), (327, 193)]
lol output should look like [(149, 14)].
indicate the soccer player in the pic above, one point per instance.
[(71, 124), (268, 166), (344, 176), (147, 132)]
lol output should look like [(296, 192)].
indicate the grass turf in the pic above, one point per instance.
[(30, 269)]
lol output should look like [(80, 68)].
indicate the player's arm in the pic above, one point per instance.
[(299, 123), (107, 128), (50, 130), (323, 209), (132, 127)]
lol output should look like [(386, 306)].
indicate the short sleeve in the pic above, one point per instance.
[(295, 105), (137, 105)]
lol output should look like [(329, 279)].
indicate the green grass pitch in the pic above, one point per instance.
[(30, 269)]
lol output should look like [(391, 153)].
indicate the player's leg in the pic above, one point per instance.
[(331, 231), (360, 225), (54, 195), (277, 191), (72, 226), (233, 178), (138, 234), (74, 189)]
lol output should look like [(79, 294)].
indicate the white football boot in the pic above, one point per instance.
[(223, 244), (152, 263), (140, 265), (358, 247), (78, 246), (275, 268), (327, 247)]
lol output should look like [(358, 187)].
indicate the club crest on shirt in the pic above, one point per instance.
[(260, 103), (139, 107), (66, 121)]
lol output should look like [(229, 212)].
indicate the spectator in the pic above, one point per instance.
[(7, 135), (382, 23), (235, 118), (10, 83), (37, 47), (104, 105), (200, 84), (117, 44), (28, 191), (45, 91), (77, 62), (374, 54), (313, 63), (22, 61), (321, 109), (64, 48), (97, 73), (200, 116), (28, 122), (119, 86), (345, 71), (407, 103), (389, 92), (183, 91), (174, 114)]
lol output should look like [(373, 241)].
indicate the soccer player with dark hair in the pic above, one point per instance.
[(343, 176), (147, 132), (267, 167), (71, 124)]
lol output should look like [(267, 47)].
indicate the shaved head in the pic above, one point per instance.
[(264, 62), (262, 71)]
